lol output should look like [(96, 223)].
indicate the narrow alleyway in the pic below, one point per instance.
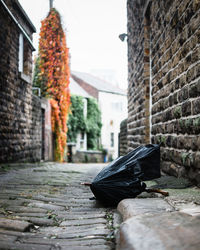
[(45, 207)]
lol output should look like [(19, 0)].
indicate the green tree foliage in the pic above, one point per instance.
[(38, 80), (93, 124), (77, 123)]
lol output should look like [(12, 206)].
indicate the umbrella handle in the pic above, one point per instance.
[(156, 190), (86, 183)]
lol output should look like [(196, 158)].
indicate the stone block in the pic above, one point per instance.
[(186, 108), (196, 106), (164, 231), (183, 94), (15, 225), (133, 207)]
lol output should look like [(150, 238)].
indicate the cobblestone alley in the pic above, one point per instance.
[(45, 207)]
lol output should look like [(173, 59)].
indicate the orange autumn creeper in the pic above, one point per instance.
[(54, 70)]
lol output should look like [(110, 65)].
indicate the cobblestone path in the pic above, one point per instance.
[(45, 207)]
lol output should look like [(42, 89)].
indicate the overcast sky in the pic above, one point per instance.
[(92, 29)]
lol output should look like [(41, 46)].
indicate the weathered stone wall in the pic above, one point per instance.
[(88, 157), (20, 111), (138, 89), (173, 29), (123, 138)]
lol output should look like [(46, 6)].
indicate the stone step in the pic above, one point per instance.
[(132, 207), (167, 231), (152, 224)]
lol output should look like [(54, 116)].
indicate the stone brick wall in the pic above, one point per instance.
[(123, 138), (138, 90), (166, 34), (15, 8), (20, 111), (88, 156)]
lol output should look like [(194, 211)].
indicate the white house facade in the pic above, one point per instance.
[(113, 105), (75, 89), (113, 111)]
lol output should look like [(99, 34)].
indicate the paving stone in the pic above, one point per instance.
[(63, 242), (163, 231), (189, 208), (83, 222), (14, 233), (39, 221), (132, 207), (49, 199), (19, 209), (37, 215), (17, 246), (99, 247), (7, 238), (75, 216), (16, 225), (86, 209), (45, 206), (48, 231), (7, 202), (32, 234), (88, 234)]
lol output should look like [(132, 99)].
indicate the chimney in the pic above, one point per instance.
[(50, 4)]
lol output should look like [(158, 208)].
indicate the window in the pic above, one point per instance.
[(82, 140), (25, 58), (117, 106), (21, 53), (112, 139), (85, 107)]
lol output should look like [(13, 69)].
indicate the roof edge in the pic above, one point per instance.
[(99, 89), (112, 92), (25, 15)]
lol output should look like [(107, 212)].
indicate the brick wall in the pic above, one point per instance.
[(123, 138), (20, 111), (138, 91), (87, 157), (164, 57)]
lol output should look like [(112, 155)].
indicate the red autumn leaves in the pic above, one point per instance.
[(54, 69)]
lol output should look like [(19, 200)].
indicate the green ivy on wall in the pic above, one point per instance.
[(78, 123), (93, 124), (38, 80)]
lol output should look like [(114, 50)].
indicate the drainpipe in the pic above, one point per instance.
[(18, 24)]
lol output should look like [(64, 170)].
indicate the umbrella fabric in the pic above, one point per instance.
[(123, 177)]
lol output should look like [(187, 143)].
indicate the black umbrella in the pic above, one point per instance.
[(123, 177)]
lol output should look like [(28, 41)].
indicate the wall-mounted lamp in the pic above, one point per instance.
[(123, 36)]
